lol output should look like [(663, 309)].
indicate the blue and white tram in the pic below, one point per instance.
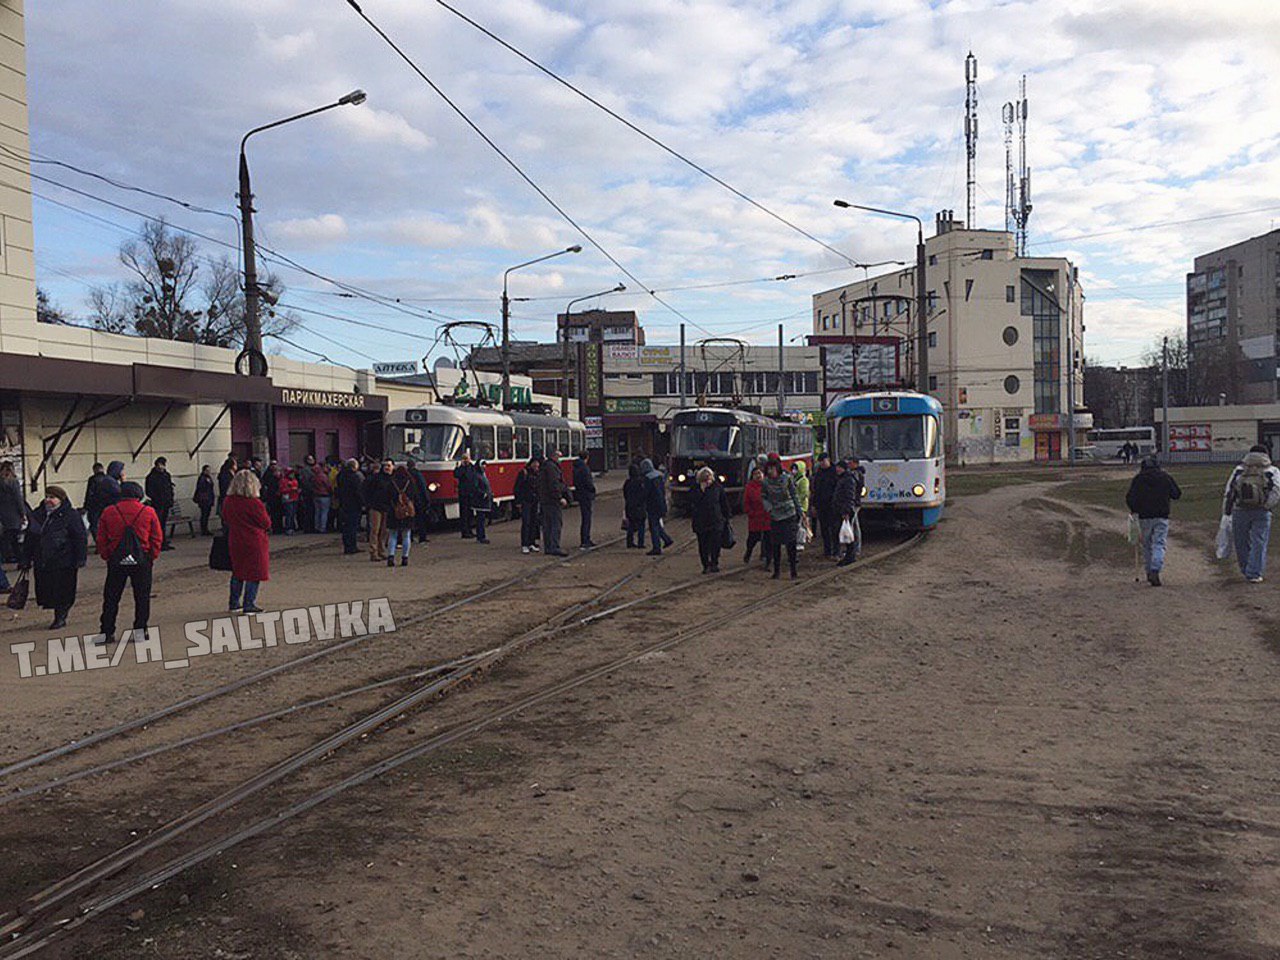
[(897, 436)]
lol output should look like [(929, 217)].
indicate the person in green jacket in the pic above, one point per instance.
[(800, 474)]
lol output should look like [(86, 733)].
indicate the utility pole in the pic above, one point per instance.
[(782, 378), (683, 395), (922, 322), (1071, 371), (1164, 383)]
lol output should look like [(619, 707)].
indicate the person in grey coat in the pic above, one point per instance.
[(783, 505)]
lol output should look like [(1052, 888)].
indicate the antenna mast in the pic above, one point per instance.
[(970, 130), (1017, 186)]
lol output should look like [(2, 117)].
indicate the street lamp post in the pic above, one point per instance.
[(564, 346), (506, 319), (922, 299), (260, 413)]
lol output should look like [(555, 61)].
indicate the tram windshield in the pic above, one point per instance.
[(705, 439), (888, 438), (432, 441)]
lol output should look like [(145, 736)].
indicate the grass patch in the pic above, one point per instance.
[(1201, 491), (972, 484)]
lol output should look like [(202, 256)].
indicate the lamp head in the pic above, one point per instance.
[(354, 98), (842, 203), (576, 248), (620, 288)]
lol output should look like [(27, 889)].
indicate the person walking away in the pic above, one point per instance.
[(526, 497), (758, 524), (305, 474), (1252, 492), (464, 477), (553, 497), (633, 497), (778, 493), (1149, 495), (160, 493), (56, 545), (800, 474), (289, 497), (225, 473), (249, 539), (109, 489), (321, 498), (129, 541), (350, 505), (421, 497), (584, 491), (205, 496), (822, 506), (481, 500), (400, 519), (709, 509), (93, 505), (271, 495), (655, 507), (847, 500), (378, 497)]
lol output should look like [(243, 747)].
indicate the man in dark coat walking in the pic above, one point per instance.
[(350, 505), (160, 493), (465, 477), (847, 500), (93, 505), (553, 497), (526, 497), (822, 505), (1149, 495), (584, 491)]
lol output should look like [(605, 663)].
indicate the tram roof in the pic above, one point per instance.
[(737, 413), (865, 404), (462, 415)]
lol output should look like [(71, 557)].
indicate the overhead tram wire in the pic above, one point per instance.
[(1155, 226), (517, 168), (631, 126)]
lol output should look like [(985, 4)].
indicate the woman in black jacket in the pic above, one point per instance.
[(56, 546), (633, 499), (205, 497), (709, 508)]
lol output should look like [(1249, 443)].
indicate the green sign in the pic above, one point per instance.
[(520, 396), (626, 405)]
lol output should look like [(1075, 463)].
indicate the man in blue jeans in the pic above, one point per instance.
[(1252, 492), (1149, 497)]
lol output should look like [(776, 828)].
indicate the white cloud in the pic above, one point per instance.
[(312, 231)]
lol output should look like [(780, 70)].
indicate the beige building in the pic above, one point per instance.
[(1005, 340)]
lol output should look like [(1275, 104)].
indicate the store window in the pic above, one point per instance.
[(302, 444)]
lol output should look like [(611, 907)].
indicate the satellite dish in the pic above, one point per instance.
[(444, 363)]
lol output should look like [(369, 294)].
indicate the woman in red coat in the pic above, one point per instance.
[(248, 526), (758, 523)]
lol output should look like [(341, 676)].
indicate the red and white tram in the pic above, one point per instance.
[(433, 438)]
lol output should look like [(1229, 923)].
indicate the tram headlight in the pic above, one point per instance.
[(722, 478), (918, 490), (433, 487), (864, 492), (681, 478)]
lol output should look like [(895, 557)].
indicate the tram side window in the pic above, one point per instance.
[(562, 442), (482, 443), (537, 442), (577, 440), (784, 442), (505, 441), (750, 441), (522, 443)]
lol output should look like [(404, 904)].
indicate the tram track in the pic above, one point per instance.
[(75, 896)]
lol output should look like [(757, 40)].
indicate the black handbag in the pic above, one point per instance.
[(727, 539), (19, 592), (219, 553)]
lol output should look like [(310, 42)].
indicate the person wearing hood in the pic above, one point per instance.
[(1252, 492), (1149, 496), (161, 494), (800, 474), (553, 497), (57, 546), (130, 540), (655, 506), (109, 488), (526, 496), (782, 503), (633, 497)]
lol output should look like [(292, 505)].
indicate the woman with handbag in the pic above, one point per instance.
[(783, 505), (248, 539), (709, 508), (401, 516), (56, 547)]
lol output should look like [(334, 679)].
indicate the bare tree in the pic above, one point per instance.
[(47, 311), (1198, 376)]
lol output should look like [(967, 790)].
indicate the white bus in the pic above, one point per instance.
[(1106, 444)]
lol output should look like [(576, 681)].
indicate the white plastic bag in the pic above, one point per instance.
[(1135, 529), (847, 536), (1222, 546)]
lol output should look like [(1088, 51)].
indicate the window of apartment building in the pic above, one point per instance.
[(968, 288), (933, 259), (933, 338), (931, 301), (987, 255), (1010, 335), (933, 382), (1010, 295)]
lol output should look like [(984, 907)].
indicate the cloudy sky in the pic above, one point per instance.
[(1143, 113)]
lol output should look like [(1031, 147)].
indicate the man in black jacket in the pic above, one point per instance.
[(160, 493), (1149, 496), (526, 496), (846, 500), (464, 474), (584, 491), (553, 497), (378, 493), (350, 505), (822, 504), (93, 499)]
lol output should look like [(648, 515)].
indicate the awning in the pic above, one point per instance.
[(52, 376), (630, 419)]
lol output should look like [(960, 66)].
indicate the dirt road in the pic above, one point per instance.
[(996, 745)]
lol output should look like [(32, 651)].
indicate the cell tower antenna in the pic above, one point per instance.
[(970, 131), (1017, 185)]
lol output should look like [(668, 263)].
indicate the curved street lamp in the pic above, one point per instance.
[(260, 412), (506, 318)]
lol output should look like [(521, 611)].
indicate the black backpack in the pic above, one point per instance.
[(128, 552)]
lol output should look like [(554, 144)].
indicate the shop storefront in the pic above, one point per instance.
[(630, 430), (318, 423)]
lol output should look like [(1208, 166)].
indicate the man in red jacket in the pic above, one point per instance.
[(129, 540)]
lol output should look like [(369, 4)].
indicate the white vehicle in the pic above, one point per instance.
[(1107, 443)]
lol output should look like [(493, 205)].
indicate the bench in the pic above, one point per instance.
[(176, 516)]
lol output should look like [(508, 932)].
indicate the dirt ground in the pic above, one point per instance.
[(993, 745)]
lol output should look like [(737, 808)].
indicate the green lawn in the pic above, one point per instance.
[(971, 484), (1201, 491)]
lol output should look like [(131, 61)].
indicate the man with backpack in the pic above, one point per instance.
[(1149, 496), (129, 540), (1252, 492)]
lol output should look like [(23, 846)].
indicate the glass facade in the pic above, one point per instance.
[(1040, 303)]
